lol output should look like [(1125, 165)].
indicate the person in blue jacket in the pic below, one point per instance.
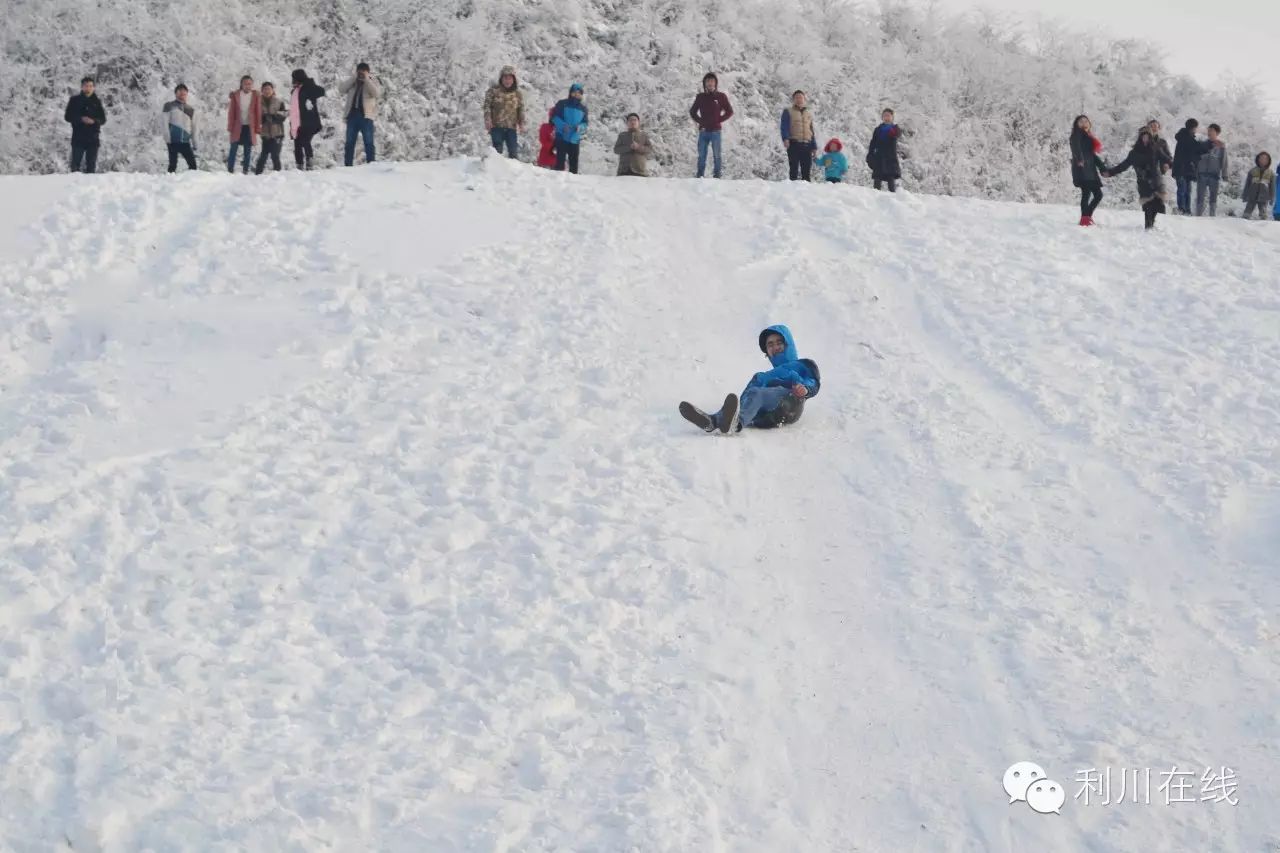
[(570, 119), (833, 162), (771, 399)]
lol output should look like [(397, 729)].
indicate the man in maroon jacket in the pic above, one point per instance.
[(710, 110)]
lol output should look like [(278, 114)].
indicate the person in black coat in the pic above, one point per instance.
[(86, 116), (1086, 167), (1148, 159), (1186, 155), (304, 116), (882, 153)]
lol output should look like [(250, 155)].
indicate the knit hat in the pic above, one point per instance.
[(576, 87), (834, 145)]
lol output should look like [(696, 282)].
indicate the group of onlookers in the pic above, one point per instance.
[(561, 135), (256, 119), (1197, 161)]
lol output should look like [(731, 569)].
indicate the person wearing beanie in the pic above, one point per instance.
[(710, 110), (570, 119), (362, 92), (304, 116), (504, 112), (771, 399), (1086, 167), (833, 161)]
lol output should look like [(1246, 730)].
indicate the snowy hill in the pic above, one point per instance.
[(351, 511)]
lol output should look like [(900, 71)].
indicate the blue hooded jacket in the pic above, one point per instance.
[(570, 113), (788, 371), (788, 368)]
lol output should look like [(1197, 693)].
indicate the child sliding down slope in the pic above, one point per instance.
[(772, 398)]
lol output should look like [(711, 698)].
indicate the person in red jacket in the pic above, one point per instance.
[(244, 122), (547, 136), (710, 110)]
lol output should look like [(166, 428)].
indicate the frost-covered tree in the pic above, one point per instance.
[(985, 101)]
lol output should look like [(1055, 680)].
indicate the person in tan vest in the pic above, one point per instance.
[(798, 136)]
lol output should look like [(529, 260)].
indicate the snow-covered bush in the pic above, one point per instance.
[(985, 102)]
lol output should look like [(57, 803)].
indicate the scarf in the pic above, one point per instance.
[(295, 118)]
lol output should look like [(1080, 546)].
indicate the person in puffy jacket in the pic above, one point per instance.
[(882, 153), (798, 136), (1086, 167), (274, 114), (547, 142), (773, 398), (833, 162), (570, 118), (1259, 187)]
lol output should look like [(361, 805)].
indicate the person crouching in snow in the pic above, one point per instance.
[(833, 162), (772, 398), (547, 139)]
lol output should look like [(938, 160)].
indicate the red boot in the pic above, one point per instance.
[(1084, 220)]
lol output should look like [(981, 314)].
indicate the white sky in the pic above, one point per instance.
[(1202, 38)]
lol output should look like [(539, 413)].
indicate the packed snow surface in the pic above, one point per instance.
[(351, 511)]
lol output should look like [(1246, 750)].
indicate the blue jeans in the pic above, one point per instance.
[(1184, 193), (363, 127), (245, 140), (757, 400), (504, 136), (708, 138)]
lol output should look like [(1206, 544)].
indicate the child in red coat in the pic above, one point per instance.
[(547, 136)]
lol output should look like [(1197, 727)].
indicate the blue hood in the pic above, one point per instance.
[(787, 355)]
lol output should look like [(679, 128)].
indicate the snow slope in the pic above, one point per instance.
[(351, 511)]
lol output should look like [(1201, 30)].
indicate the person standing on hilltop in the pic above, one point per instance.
[(882, 153), (710, 110), (632, 148), (304, 116), (570, 119), (362, 91), (1086, 165), (798, 136), (244, 122), (1186, 152), (180, 129), (504, 112), (1211, 168), (274, 113), (86, 116)]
